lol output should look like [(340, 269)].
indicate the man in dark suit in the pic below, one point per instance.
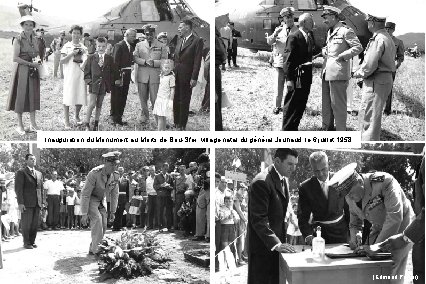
[(123, 60), (123, 198), (298, 72), (268, 200), (232, 52), (41, 43), (187, 57), (99, 74), (323, 202), (29, 192), (163, 187)]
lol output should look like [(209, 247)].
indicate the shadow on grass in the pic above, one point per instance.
[(414, 107), (13, 250), (389, 136), (72, 265)]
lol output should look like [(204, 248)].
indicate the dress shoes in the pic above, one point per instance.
[(34, 245), (28, 246)]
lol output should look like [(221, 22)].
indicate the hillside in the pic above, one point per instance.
[(411, 38)]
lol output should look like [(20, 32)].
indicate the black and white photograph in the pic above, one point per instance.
[(104, 215), (321, 65), (111, 65), (320, 216)]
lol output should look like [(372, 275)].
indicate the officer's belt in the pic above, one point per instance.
[(330, 222), (121, 193)]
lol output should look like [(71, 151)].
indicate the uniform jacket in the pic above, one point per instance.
[(379, 55), (123, 57), (29, 188), (235, 34), (297, 52), (97, 186), (143, 52), (266, 212), (188, 59), (399, 46), (278, 44), (159, 179), (384, 205), (312, 200), (344, 42), (100, 79)]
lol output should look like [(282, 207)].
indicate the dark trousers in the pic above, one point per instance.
[(388, 106), (70, 213), (152, 211), (294, 106), (164, 206), (180, 198), (419, 263), (218, 105), (29, 223), (53, 210), (232, 54), (119, 221), (181, 102), (263, 268), (118, 101), (142, 214)]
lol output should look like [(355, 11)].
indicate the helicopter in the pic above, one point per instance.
[(164, 14), (256, 22)]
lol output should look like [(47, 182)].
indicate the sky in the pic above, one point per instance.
[(87, 10)]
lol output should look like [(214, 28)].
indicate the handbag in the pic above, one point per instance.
[(43, 71)]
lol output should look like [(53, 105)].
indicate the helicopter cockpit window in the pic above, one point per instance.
[(267, 24), (307, 5), (158, 10)]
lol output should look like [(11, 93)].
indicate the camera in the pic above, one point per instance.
[(78, 58)]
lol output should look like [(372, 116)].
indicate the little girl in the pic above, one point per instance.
[(77, 210), (163, 105), (70, 207), (134, 206)]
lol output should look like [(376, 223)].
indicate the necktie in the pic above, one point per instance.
[(284, 186), (324, 189), (33, 172), (183, 42), (288, 30), (101, 61)]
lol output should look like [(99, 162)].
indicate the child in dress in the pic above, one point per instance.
[(134, 206), (70, 208), (77, 209), (163, 105), (228, 218)]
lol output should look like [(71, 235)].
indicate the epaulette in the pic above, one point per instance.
[(377, 178)]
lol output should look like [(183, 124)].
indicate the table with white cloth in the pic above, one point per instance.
[(301, 267)]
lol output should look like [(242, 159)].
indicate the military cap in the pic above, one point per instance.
[(27, 18), (390, 25), (287, 11), (86, 34), (162, 35), (375, 19), (229, 180), (330, 10), (148, 29), (112, 156), (40, 30), (344, 179), (223, 179)]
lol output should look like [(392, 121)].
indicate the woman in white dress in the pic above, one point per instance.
[(74, 53)]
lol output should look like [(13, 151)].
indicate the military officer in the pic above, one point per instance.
[(278, 40), (233, 50), (399, 58), (100, 181), (376, 70), (383, 204), (342, 45), (148, 54)]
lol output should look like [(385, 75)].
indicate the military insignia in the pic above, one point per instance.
[(376, 201), (377, 178)]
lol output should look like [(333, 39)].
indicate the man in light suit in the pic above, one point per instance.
[(187, 57), (268, 200), (123, 60), (342, 46), (385, 206), (278, 41), (298, 72), (323, 202), (100, 181), (31, 198), (148, 54)]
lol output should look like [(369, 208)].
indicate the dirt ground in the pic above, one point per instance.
[(61, 257), (251, 93)]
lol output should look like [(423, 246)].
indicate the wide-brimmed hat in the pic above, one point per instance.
[(26, 18)]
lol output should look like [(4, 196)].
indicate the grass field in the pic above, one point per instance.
[(250, 90), (50, 117)]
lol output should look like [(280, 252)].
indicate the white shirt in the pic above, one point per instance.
[(128, 44), (324, 186), (189, 181), (150, 186), (53, 187), (281, 178)]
